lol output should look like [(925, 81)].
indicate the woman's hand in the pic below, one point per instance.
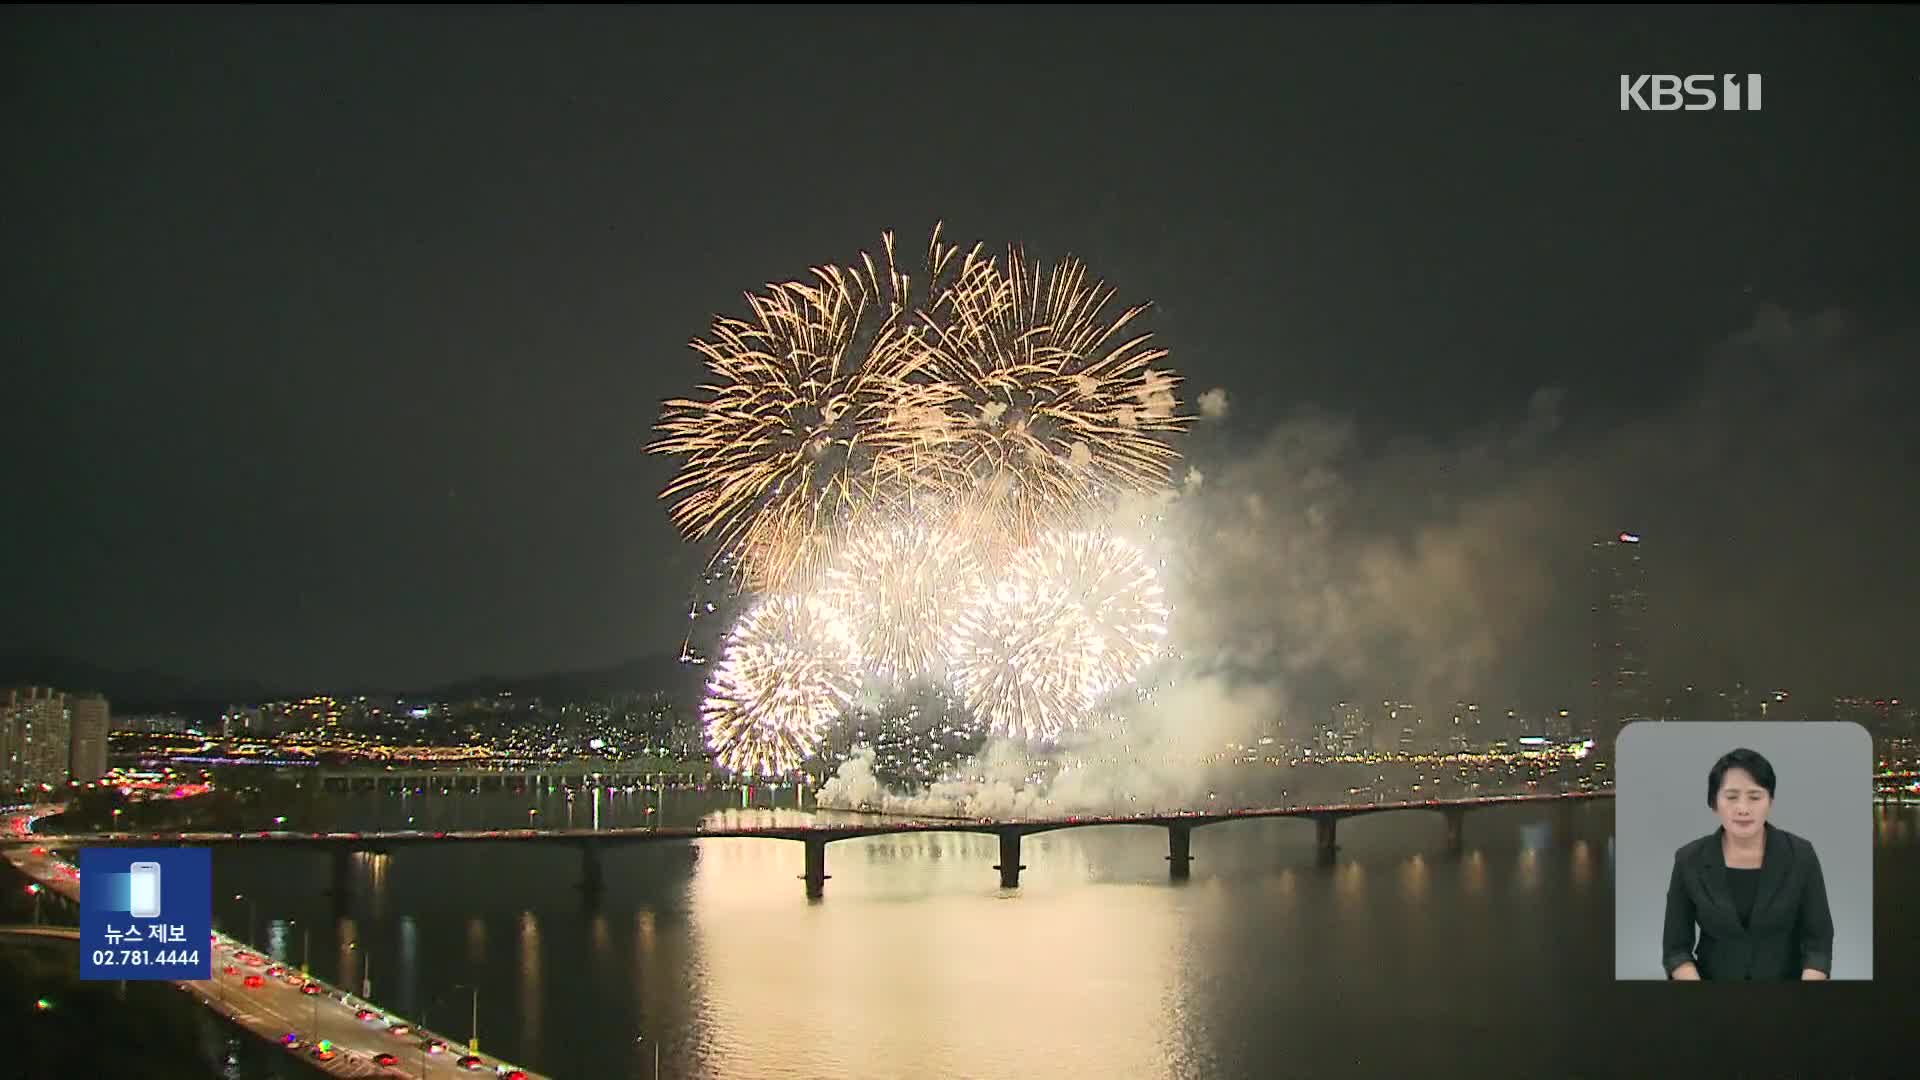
[(1686, 973), (1813, 975)]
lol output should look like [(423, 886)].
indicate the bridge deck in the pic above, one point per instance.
[(825, 831)]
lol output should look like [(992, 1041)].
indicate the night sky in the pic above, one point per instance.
[(335, 338)]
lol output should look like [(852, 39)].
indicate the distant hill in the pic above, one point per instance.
[(151, 691), (662, 672), (128, 691)]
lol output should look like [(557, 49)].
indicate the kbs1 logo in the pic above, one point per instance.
[(1693, 93)]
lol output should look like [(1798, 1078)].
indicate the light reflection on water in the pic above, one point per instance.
[(916, 964)]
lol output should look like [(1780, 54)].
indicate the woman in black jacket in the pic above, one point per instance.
[(1752, 891)]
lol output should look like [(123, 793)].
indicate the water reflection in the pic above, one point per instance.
[(349, 955), (1414, 879), (409, 959), (373, 868), (531, 996), (776, 973), (1527, 872), (1473, 876), (476, 943), (917, 964)]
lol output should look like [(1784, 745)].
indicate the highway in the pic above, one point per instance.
[(358, 1032)]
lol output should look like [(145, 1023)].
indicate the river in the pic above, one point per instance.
[(1398, 960)]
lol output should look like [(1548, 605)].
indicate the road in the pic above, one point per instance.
[(278, 1008)]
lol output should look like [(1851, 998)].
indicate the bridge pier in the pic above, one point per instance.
[(816, 875), (1009, 865), (593, 877), (342, 888), (1179, 851), (1323, 838), (1456, 818)]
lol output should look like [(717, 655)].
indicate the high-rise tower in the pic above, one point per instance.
[(1617, 608)]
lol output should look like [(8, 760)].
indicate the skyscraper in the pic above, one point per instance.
[(1405, 734), (90, 717), (1617, 587), (39, 735)]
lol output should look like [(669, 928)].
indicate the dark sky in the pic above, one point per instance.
[(335, 337)]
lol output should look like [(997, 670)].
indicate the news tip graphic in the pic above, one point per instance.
[(146, 913)]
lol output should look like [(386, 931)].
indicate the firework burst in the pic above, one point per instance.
[(906, 468), (902, 588), (1060, 406), (787, 671), (1023, 657), (820, 410), (1114, 589), (1075, 617)]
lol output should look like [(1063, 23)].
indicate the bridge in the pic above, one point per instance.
[(502, 774), (815, 837), (342, 1035)]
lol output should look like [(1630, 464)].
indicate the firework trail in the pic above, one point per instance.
[(787, 671)]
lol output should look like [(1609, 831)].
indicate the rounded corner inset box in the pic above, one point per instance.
[(1743, 851), (146, 914)]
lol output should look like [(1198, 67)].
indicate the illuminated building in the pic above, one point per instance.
[(91, 720), (1617, 608), (37, 743), (1468, 728), (1347, 731), (1401, 723)]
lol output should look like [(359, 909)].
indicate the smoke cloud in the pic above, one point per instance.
[(1315, 562)]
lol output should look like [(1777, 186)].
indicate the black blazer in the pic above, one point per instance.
[(1790, 930)]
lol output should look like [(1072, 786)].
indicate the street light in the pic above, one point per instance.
[(306, 943), (34, 890), (473, 1037), (252, 911), (656, 1054), (366, 970)]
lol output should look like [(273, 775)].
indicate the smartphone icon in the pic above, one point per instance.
[(144, 893)]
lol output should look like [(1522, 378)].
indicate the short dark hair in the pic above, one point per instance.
[(1749, 760)]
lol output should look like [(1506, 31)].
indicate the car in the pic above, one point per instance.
[(291, 1038), (366, 1014), (471, 1062), (514, 1075), (310, 988), (323, 1053), (433, 1046), (276, 971), (231, 970), (385, 1061), (255, 982), (399, 1030)]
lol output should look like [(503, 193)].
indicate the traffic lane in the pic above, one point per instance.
[(316, 1017), (336, 1020)]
